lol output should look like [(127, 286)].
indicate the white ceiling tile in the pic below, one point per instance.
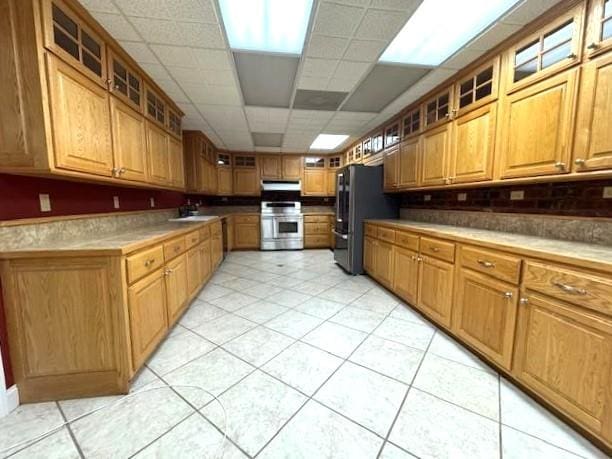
[(172, 90), (493, 36), (202, 35), (462, 58), (527, 11), (117, 26), (156, 71), (353, 2), (213, 95), (168, 32), (326, 46), (403, 5), (140, 52), (268, 149), (342, 84), (174, 55), (313, 83), (365, 50), (349, 69), (381, 24), (100, 6), (189, 109), (144, 8), (337, 20), (193, 11), (354, 116), (313, 67), (212, 59)]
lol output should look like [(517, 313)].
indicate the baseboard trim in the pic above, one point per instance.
[(9, 400)]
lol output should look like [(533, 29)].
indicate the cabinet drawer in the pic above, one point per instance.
[(143, 263), (316, 228), (316, 240), (386, 234), (407, 240), (438, 249), (174, 247), (204, 233), (241, 219), (316, 219), (192, 239), (504, 267), (370, 230), (576, 287)]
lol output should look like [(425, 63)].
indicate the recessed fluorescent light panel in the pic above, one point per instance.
[(277, 26), (438, 28), (328, 141)]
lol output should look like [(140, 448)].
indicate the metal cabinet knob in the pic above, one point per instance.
[(508, 295), (572, 56), (560, 165), (149, 262), (486, 264), (524, 300), (593, 45), (580, 162)]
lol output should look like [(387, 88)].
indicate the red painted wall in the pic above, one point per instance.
[(19, 197)]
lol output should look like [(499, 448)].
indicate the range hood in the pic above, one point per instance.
[(281, 185)]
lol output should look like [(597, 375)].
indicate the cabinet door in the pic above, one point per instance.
[(216, 249), (159, 158), (383, 260), (405, 274), (246, 235), (565, 355), (292, 167), (194, 271), (314, 182), (391, 168), (331, 182), (246, 182), (270, 166), (224, 181), (212, 178), (148, 316), (485, 315), (129, 142), (537, 128), (593, 146), (409, 160), (80, 120), (205, 260), (177, 171), (599, 27), (474, 145), (176, 287), (435, 296), (435, 156), (368, 256)]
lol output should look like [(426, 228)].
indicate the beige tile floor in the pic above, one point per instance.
[(308, 363)]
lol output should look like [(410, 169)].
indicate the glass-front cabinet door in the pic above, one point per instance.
[(438, 109), (477, 89), (124, 82), (599, 28)]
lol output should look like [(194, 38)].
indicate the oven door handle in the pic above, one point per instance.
[(340, 235)]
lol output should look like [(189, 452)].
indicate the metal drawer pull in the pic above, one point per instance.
[(434, 249), (486, 264), (149, 262), (508, 295), (570, 289)]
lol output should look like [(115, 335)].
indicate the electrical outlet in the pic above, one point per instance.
[(45, 202), (427, 197), (517, 195), (607, 192), (152, 202), (116, 202), (462, 197)]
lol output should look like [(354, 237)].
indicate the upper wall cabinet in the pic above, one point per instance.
[(291, 167), (438, 109), (174, 123), (477, 89), (551, 49), (599, 28), (270, 166), (392, 134), (411, 123), (155, 108), (124, 82)]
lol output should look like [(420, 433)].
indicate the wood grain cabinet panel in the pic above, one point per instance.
[(246, 182), (194, 271), (391, 164), (435, 155), (537, 128), (405, 274), (485, 315), (216, 249), (565, 355), (176, 287), (148, 316), (246, 232), (129, 142), (409, 162), (224, 181), (436, 289), (158, 154), (315, 182), (206, 263), (593, 145), (368, 254), (473, 145), (177, 168), (270, 166), (331, 182), (383, 261), (292, 167), (80, 120)]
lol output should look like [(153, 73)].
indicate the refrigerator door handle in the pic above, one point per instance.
[(340, 235)]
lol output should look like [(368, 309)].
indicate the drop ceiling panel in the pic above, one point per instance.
[(267, 139), (318, 68), (100, 6), (140, 52), (318, 100), (326, 46), (117, 26), (493, 36), (365, 50), (179, 33), (382, 24), (266, 80), (337, 20), (383, 84), (526, 11)]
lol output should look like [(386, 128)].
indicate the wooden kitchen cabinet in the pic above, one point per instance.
[(175, 156), (125, 83), (435, 155), (383, 263), (537, 128), (206, 264), (194, 270), (270, 166), (176, 287), (129, 142), (246, 182), (331, 182), (148, 315), (435, 298), (565, 355), (246, 232), (80, 120), (315, 182), (593, 143), (599, 28), (225, 181), (391, 163), (368, 255), (484, 315), (409, 162), (291, 167), (216, 244), (159, 157), (406, 274)]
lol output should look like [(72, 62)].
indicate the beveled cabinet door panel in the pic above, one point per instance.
[(409, 162), (270, 166), (435, 155), (391, 168), (224, 181), (246, 182), (537, 128), (158, 154), (474, 145), (314, 182), (565, 355), (485, 315), (405, 274), (80, 119), (129, 142), (593, 145), (292, 167), (383, 260), (194, 271), (177, 168), (176, 287), (435, 297)]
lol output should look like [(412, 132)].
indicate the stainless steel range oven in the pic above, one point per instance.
[(282, 225)]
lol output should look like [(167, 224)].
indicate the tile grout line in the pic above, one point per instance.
[(70, 432)]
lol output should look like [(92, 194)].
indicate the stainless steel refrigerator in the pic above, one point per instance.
[(359, 196)]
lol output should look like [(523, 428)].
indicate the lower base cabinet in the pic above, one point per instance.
[(176, 287), (436, 289), (246, 232), (405, 274), (194, 270), (378, 260), (317, 232)]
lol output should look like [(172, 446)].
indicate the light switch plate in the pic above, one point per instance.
[(427, 197), (45, 202), (518, 195), (116, 202), (462, 197), (152, 202), (607, 192)]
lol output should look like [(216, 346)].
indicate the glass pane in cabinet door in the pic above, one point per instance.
[(119, 70), (90, 44), (556, 55), (466, 86), (484, 76), (526, 53), (465, 100), (525, 70), (484, 91), (65, 22), (606, 31), (92, 63), (65, 42), (119, 85), (558, 36), (607, 9)]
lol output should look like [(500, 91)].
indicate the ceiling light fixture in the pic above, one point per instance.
[(266, 25), (328, 141), (438, 28)]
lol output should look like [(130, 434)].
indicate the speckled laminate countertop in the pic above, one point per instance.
[(107, 244), (588, 255)]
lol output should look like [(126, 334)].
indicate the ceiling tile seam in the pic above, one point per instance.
[(166, 69)]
